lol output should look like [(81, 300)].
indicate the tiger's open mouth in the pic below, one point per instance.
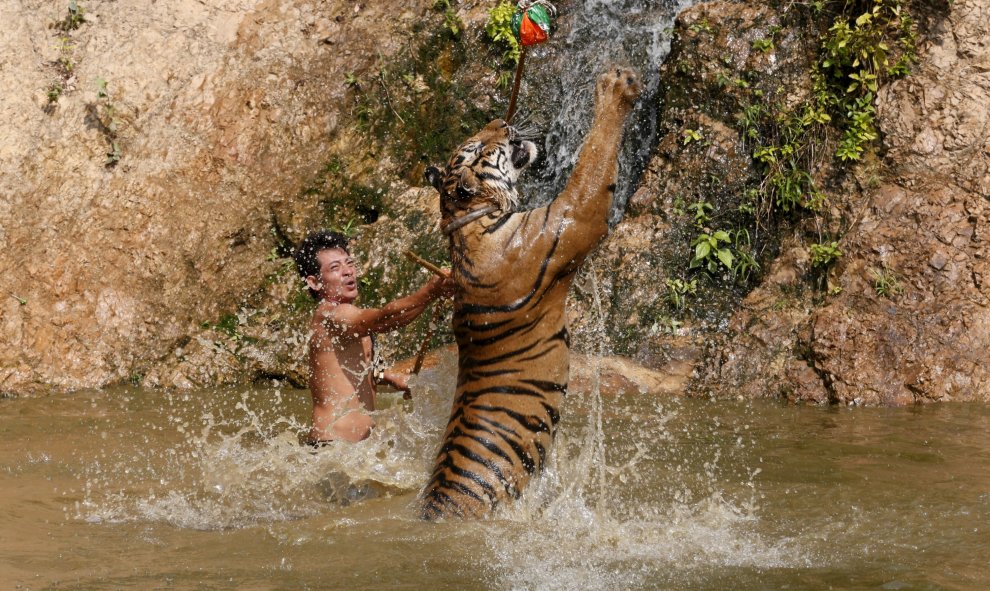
[(523, 153)]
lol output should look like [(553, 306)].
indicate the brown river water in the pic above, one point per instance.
[(138, 489)]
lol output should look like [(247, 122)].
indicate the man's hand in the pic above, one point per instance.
[(441, 287), (400, 382)]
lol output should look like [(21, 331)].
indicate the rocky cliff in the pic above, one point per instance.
[(147, 146), (907, 319), (161, 158)]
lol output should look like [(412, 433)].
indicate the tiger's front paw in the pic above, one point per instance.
[(619, 86)]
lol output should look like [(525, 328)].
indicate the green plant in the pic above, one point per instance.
[(452, 23), (113, 155), (64, 61), (504, 80), (701, 210), (702, 26), (55, 91), (106, 113), (103, 94), (859, 54), (499, 30), (886, 283), (823, 255), (678, 291), (74, 18), (349, 229), (667, 325), (864, 44), (692, 135), (712, 250), (745, 264), (763, 45)]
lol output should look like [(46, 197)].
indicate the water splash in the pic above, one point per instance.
[(235, 464), (595, 519), (596, 35)]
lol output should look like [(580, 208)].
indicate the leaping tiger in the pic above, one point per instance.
[(513, 271)]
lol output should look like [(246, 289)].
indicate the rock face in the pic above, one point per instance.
[(219, 111), (907, 318), (144, 227)]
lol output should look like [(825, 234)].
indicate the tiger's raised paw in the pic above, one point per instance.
[(620, 85)]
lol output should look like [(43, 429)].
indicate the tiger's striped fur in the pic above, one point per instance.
[(513, 271)]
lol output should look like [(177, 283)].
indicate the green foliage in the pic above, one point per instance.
[(106, 113), (678, 291), (859, 53), (763, 45), (864, 44), (712, 251), (692, 135), (701, 210), (745, 263), (348, 229), (702, 26), (452, 23), (113, 155), (415, 109), (823, 255), (74, 18), (64, 61), (55, 91), (504, 80), (499, 30), (886, 283)]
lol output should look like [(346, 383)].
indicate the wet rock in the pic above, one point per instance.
[(902, 318)]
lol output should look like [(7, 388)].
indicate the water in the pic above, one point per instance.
[(558, 92), (130, 489)]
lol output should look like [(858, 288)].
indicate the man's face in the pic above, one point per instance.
[(338, 276)]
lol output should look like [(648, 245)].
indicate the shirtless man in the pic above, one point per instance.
[(340, 349)]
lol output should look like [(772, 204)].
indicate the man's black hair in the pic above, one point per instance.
[(305, 255)]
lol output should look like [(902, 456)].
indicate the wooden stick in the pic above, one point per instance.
[(515, 86), (425, 264), (421, 354), (437, 311)]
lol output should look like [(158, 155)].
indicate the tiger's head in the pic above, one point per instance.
[(483, 171)]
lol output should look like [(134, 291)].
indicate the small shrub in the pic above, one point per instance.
[(74, 18), (886, 283), (499, 31), (823, 255)]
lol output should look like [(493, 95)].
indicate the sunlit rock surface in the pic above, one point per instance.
[(222, 111)]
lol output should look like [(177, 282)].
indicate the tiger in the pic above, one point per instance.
[(513, 270)]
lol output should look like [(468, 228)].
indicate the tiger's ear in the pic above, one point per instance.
[(434, 177), (468, 185)]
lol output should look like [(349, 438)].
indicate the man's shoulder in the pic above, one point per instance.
[(334, 315)]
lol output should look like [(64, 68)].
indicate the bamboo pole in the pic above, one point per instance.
[(515, 86), (425, 264), (437, 310)]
